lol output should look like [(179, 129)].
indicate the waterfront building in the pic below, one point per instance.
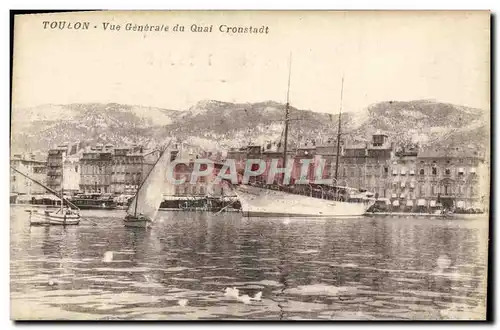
[(115, 170), (71, 171), (55, 165), (119, 171), (363, 166), (35, 169), (204, 186), (405, 183), (451, 177), (128, 169), (96, 169), (367, 166)]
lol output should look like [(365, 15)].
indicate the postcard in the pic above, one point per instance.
[(250, 165)]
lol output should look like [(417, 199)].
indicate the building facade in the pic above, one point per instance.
[(55, 166), (71, 174), (35, 169), (368, 166), (203, 186), (451, 178), (96, 168)]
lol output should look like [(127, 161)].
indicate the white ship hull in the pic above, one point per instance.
[(46, 218), (259, 202)]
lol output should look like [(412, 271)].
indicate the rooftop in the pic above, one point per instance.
[(449, 153)]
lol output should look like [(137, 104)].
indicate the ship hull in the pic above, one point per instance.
[(137, 222), (95, 207), (259, 202), (51, 219)]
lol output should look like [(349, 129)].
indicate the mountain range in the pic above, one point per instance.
[(214, 125)]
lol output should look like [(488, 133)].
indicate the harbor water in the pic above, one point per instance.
[(194, 265)]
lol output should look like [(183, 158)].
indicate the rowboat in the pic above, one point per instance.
[(63, 217)]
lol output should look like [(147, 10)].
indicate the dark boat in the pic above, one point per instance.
[(94, 202)]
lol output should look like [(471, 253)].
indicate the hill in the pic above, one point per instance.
[(219, 125)]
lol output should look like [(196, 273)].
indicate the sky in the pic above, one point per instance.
[(382, 56)]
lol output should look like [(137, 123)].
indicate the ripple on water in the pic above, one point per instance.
[(320, 290), (175, 269), (356, 269)]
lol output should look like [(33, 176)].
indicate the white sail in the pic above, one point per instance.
[(150, 194)]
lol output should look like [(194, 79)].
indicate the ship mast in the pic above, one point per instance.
[(287, 113), (62, 180), (338, 133)]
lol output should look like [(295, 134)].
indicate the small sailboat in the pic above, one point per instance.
[(67, 214), (146, 202), (64, 216)]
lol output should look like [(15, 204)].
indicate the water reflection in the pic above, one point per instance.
[(304, 269)]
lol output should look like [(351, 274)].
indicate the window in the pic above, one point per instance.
[(434, 171), (447, 171), (386, 169), (434, 189), (461, 171), (76, 169), (422, 172)]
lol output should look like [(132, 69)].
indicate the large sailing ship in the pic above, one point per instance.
[(259, 199), (146, 202)]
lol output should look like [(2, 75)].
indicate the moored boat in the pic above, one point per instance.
[(281, 199), (94, 202), (263, 202), (62, 217)]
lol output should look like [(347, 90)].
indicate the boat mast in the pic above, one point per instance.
[(136, 201), (62, 180), (338, 132), (287, 113)]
